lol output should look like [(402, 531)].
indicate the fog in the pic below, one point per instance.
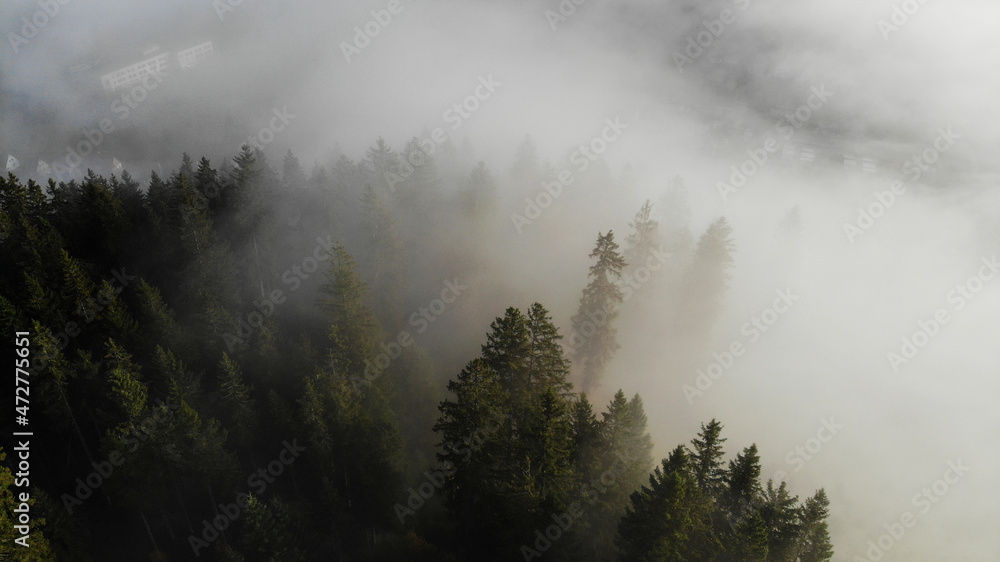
[(892, 92)]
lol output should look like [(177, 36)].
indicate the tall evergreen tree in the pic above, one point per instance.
[(644, 238), (236, 398), (354, 330), (780, 513), (742, 485), (475, 438), (381, 164), (707, 280), (594, 320), (291, 172), (814, 542), (383, 251), (660, 521), (706, 457)]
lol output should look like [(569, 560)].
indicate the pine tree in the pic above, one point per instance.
[(627, 448), (268, 532), (547, 446), (381, 163), (659, 523), (596, 529), (622, 465), (475, 439), (547, 368), (742, 485), (707, 279), (383, 250), (127, 394), (814, 542), (780, 513), (644, 238), (354, 330), (291, 172), (751, 539), (587, 442), (236, 398), (594, 320), (157, 321), (507, 352), (706, 457), (206, 180)]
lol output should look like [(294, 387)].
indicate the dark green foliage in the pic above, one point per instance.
[(193, 332), (693, 509)]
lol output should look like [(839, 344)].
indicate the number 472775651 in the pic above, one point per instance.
[(21, 384)]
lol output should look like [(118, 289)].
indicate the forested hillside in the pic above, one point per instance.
[(230, 363)]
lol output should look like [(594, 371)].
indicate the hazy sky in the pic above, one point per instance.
[(892, 90)]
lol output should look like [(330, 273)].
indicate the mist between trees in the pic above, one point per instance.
[(419, 448)]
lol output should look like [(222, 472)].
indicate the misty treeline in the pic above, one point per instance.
[(224, 367)]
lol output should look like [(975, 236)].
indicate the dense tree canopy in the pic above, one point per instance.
[(234, 364)]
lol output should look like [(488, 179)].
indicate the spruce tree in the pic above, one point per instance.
[(354, 331), (742, 486), (780, 512), (593, 324), (707, 280), (291, 172), (476, 437), (658, 523), (814, 542), (644, 238), (706, 458), (236, 398)]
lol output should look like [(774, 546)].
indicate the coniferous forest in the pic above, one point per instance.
[(229, 362)]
